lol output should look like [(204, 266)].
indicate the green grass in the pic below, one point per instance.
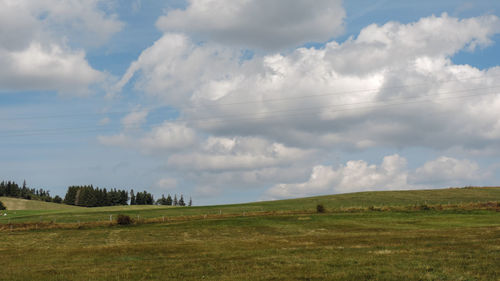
[(22, 204), (347, 246), (450, 244), (331, 202)]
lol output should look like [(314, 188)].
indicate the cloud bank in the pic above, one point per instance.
[(266, 119)]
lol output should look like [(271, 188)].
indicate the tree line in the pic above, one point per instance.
[(168, 201), (90, 196), (12, 189)]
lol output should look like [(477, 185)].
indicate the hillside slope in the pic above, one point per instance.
[(22, 204), (393, 198), (29, 211)]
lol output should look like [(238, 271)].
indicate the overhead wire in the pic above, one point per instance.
[(268, 114), (215, 104)]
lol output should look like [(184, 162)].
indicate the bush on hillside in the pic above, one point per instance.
[(424, 207), (124, 220), (320, 208), (2, 207)]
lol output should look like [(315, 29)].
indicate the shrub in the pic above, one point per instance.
[(320, 208), (2, 207), (424, 207), (124, 220)]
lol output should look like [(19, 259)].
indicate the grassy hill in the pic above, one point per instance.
[(27, 211), (454, 244), (22, 204)]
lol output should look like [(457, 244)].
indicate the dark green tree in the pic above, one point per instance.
[(70, 197), (2, 206), (181, 201), (162, 200), (132, 197), (57, 199), (169, 200)]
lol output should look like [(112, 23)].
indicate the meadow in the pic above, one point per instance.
[(448, 234)]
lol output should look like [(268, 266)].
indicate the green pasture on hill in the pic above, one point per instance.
[(450, 244), (65, 213), (22, 204), (335, 246)]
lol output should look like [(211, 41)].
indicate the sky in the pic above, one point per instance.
[(230, 101)]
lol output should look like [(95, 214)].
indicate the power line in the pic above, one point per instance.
[(215, 104), (341, 92), (330, 106), (253, 116)]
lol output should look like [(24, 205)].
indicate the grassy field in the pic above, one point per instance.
[(21, 204), (331, 202), (449, 244)]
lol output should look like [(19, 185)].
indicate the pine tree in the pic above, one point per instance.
[(169, 200), (132, 197), (70, 195), (57, 199), (190, 201), (181, 201), (175, 200), (162, 201)]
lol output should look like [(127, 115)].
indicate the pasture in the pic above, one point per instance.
[(358, 238)]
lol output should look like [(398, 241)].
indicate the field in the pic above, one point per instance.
[(449, 234)]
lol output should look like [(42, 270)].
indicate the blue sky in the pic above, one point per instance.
[(227, 101)]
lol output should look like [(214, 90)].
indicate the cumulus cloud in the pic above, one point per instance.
[(351, 177), (47, 68), (391, 174), (334, 95), (167, 137), (393, 84), (269, 25), (235, 154), (447, 170), (36, 39), (175, 67)]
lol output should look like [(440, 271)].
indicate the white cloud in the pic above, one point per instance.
[(81, 21), (391, 174), (354, 176), (166, 183), (394, 85), (134, 119), (224, 154), (332, 96), (47, 68), (174, 67), (36, 39), (259, 23), (167, 137), (448, 170)]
